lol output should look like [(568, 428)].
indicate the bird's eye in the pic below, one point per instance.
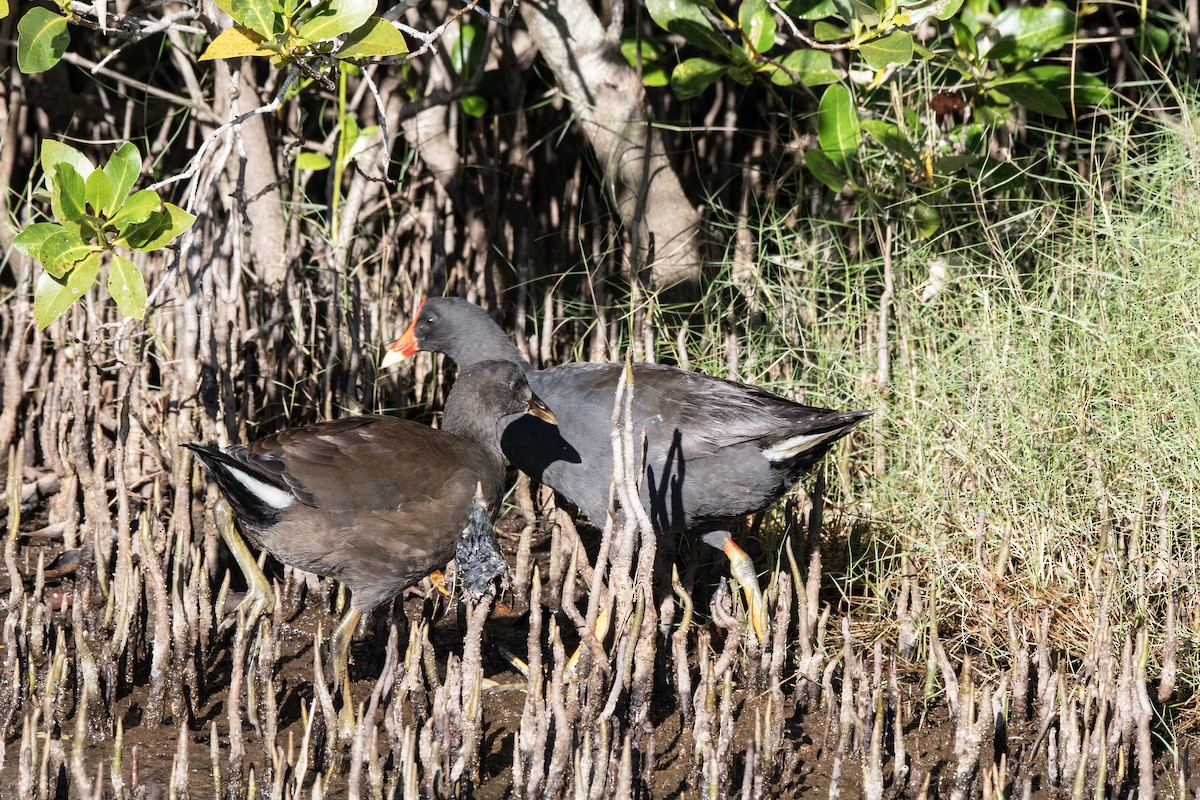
[(514, 384)]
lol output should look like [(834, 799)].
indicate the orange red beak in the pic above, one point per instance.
[(405, 346)]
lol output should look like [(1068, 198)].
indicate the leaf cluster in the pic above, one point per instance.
[(297, 33), (96, 213), (894, 109)]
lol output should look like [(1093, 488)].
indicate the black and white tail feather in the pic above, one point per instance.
[(256, 486), (830, 431)]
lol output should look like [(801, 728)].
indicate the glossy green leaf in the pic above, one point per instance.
[(172, 221), (1036, 30), (810, 67), (63, 250), (42, 38), (123, 168), (136, 210), (332, 18), (828, 32), (693, 76), (685, 18), (757, 22), (30, 240), (55, 153), (1034, 97), (824, 170), (99, 191), (314, 161), (257, 15), (4, 9), (376, 39), (135, 235), (838, 128), (127, 288), (53, 296), (895, 48), (68, 193), (891, 137)]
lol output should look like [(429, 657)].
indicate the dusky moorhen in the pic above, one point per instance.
[(714, 449), (375, 502)]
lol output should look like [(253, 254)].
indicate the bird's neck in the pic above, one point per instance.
[(465, 420), (485, 345)]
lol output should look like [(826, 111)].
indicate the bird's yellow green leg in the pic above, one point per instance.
[(741, 567), (339, 644), (260, 596)]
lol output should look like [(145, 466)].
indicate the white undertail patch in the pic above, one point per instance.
[(271, 495), (790, 448)]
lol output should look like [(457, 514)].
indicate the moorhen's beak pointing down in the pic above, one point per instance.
[(404, 347)]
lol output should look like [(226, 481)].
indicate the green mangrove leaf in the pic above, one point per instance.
[(55, 153), (824, 170), (757, 22), (895, 48), (42, 38), (127, 288), (693, 76), (811, 67), (136, 210), (68, 193), (466, 52), (99, 191), (53, 296), (258, 15), (330, 19), (30, 240), (63, 250), (808, 9), (1036, 30), (376, 39), (891, 137), (172, 221), (838, 128), (123, 168), (685, 18)]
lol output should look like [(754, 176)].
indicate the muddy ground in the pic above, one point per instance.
[(889, 730)]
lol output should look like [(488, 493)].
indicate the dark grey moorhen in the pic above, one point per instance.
[(714, 449), (374, 502)]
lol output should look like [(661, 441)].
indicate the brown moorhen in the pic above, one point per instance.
[(374, 502), (714, 449)]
